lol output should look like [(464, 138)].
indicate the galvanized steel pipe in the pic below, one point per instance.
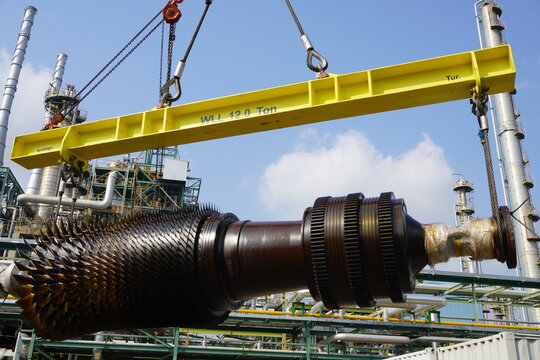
[(56, 83), (80, 203), (13, 78), (511, 156), (366, 338)]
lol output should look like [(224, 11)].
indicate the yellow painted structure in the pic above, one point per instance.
[(419, 83)]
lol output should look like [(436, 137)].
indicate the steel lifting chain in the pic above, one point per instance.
[(172, 38), (83, 95), (479, 109), (315, 61), (161, 59)]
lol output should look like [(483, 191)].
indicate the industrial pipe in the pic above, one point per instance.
[(366, 338), (192, 266), (439, 339), (413, 303), (50, 181), (67, 201), (13, 78), (512, 159)]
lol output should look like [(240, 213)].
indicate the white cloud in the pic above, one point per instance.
[(348, 163), (527, 84), (27, 112)]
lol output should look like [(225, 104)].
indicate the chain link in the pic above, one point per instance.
[(172, 38), (120, 52), (121, 61), (161, 59), (76, 101)]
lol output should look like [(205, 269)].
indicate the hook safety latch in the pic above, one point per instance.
[(312, 54), (166, 97)]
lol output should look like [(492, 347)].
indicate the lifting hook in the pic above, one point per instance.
[(166, 97)]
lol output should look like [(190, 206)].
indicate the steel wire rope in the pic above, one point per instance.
[(310, 49), (295, 18), (197, 29), (491, 177)]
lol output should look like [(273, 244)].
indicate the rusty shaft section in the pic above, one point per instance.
[(191, 267)]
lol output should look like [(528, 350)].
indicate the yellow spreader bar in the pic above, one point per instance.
[(395, 87)]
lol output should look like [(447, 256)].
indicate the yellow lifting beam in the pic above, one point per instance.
[(395, 87)]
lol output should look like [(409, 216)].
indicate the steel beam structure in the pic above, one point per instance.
[(122, 345), (419, 83)]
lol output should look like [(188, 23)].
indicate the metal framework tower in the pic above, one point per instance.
[(464, 211), (51, 174), (13, 77), (55, 85), (509, 136)]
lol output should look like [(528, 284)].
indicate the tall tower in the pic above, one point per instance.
[(55, 85), (13, 77), (464, 211), (509, 136)]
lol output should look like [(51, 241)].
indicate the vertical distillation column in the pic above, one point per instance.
[(13, 77), (55, 85), (506, 129), (464, 211)]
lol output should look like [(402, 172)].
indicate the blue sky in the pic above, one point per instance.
[(249, 45)]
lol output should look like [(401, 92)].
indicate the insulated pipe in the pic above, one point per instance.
[(81, 203), (296, 298), (32, 187), (511, 155), (414, 302), (192, 266), (56, 83), (366, 338), (417, 299), (439, 339), (6, 280), (50, 179), (13, 78), (316, 308)]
